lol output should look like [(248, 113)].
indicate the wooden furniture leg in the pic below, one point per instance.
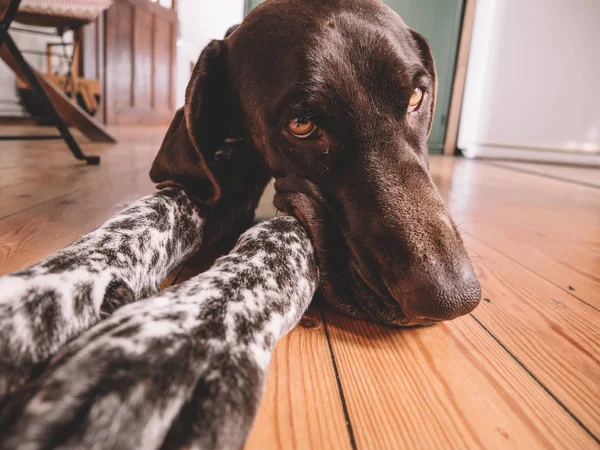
[(91, 128)]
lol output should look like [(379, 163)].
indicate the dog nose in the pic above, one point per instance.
[(444, 297)]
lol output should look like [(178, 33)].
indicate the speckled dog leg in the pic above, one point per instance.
[(50, 303), (183, 369)]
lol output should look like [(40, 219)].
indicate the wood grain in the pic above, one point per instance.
[(68, 178), (68, 200), (561, 270), (576, 174), (301, 408), (564, 212), (448, 386), (546, 225), (140, 47), (553, 334)]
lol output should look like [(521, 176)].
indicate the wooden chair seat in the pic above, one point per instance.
[(58, 13)]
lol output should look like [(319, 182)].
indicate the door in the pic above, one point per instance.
[(140, 46), (439, 21)]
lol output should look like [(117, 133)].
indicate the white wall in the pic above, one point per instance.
[(534, 76), (200, 21)]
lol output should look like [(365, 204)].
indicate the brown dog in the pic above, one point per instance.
[(335, 99), (332, 97)]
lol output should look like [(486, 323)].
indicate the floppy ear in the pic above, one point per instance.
[(231, 29), (198, 131), (427, 59)]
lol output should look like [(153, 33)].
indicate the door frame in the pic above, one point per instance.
[(247, 7), (460, 75)]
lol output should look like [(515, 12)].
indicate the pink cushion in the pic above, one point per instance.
[(85, 10)]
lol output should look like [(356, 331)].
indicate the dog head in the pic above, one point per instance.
[(335, 99)]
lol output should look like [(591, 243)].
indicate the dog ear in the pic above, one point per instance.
[(427, 59), (198, 131), (231, 30)]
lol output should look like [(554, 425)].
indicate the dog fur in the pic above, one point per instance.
[(183, 369)]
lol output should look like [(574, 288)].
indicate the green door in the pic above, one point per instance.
[(439, 21)]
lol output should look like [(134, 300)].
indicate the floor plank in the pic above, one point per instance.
[(449, 386), (301, 408), (31, 234), (520, 219), (563, 270), (575, 174), (553, 334), (565, 212)]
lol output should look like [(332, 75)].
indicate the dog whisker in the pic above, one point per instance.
[(340, 274), (477, 255)]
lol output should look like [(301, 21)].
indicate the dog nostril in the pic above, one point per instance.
[(462, 303), (443, 300)]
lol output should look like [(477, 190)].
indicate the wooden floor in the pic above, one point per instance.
[(579, 174), (522, 371)]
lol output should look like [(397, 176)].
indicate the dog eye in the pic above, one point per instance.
[(415, 100), (301, 128)]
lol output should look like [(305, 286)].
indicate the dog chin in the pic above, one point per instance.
[(343, 288), (364, 302)]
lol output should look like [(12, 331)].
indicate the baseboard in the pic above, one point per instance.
[(530, 155), (9, 120)]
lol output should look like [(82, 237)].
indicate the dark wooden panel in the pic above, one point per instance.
[(164, 54), (143, 59), (119, 64), (140, 63), (122, 94)]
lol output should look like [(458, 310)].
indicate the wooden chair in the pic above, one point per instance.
[(62, 15)]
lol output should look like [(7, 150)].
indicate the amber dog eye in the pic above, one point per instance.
[(301, 128), (415, 100)]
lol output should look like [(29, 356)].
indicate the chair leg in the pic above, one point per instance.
[(37, 88), (9, 15)]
